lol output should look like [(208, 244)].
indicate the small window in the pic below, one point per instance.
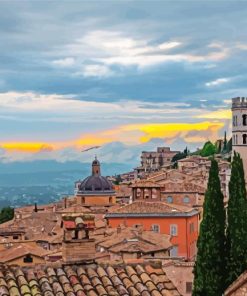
[(244, 119), (155, 228), (173, 230), (186, 199), (245, 139), (174, 251), (28, 259), (192, 228), (188, 287), (169, 199), (15, 237)]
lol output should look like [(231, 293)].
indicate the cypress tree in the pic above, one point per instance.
[(237, 222), (209, 271)]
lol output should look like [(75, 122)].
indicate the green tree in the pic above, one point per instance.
[(209, 268), (224, 150), (229, 146), (6, 214), (237, 222), (208, 149)]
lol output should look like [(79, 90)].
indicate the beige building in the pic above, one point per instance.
[(239, 129), (155, 160)]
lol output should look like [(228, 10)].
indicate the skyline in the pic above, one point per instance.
[(125, 76)]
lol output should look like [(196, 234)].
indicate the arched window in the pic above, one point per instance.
[(244, 119), (244, 139), (186, 199), (236, 139), (169, 199)]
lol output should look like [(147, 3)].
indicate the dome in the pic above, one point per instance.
[(95, 183)]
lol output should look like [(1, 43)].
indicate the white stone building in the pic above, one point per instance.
[(239, 129)]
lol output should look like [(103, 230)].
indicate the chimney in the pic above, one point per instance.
[(77, 246)]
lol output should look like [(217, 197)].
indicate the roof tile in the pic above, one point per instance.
[(122, 280)]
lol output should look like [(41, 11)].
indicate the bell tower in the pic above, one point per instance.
[(239, 129), (96, 167)]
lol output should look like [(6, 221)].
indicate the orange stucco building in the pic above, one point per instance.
[(178, 221)]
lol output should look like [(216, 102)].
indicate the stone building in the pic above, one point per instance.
[(155, 160), (239, 129), (95, 189)]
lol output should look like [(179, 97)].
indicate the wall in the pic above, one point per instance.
[(178, 198), (180, 274), (184, 240), (19, 261), (96, 200), (80, 250)]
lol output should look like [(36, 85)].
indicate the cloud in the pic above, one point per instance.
[(217, 82), (95, 71), (27, 147), (103, 49), (66, 62), (219, 114), (120, 144)]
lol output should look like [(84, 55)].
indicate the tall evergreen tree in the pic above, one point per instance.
[(224, 150), (209, 268), (237, 222)]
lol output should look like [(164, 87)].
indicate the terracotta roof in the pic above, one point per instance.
[(74, 209), (131, 239), (237, 284), (145, 183), (91, 281), (143, 208), (19, 251)]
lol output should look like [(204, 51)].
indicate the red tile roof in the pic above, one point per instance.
[(124, 280)]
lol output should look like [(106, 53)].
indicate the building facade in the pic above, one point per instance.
[(155, 160), (181, 223), (239, 129)]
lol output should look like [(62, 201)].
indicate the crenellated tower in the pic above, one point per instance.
[(239, 129)]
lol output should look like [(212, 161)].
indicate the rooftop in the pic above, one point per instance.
[(145, 208), (123, 280)]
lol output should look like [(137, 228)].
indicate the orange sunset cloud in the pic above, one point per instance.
[(130, 134)]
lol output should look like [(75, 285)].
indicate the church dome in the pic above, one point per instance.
[(95, 184)]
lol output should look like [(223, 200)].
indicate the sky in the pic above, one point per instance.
[(123, 75)]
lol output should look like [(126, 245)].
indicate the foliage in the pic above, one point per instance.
[(6, 214), (224, 150), (209, 268), (237, 219), (208, 149), (229, 146), (180, 155)]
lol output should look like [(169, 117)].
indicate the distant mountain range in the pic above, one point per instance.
[(44, 181)]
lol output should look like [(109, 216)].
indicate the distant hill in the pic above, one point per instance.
[(44, 181)]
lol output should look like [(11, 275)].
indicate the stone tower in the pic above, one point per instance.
[(239, 129)]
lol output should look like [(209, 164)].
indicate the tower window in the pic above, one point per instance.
[(244, 139), (245, 119)]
